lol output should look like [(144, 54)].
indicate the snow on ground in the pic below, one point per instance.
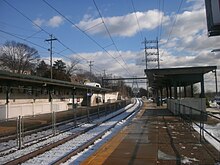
[(38, 145), (52, 155), (77, 159), (213, 130)]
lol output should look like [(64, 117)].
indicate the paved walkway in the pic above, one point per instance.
[(154, 137)]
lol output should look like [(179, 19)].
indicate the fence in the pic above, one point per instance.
[(197, 117), (17, 128)]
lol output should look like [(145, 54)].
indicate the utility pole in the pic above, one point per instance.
[(145, 52), (90, 68), (104, 76), (153, 46), (51, 39), (104, 73), (135, 88), (53, 113)]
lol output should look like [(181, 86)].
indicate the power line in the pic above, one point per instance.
[(161, 21), (142, 38), (174, 22), (51, 39), (109, 34), (41, 29), (22, 39), (25, 16), (154, 52), (93, 40), (90, 67), (36, 44)]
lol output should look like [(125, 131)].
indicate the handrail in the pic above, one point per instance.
[(201, 124)]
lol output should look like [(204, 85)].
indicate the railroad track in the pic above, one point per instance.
[(9, 144), (62, 147)]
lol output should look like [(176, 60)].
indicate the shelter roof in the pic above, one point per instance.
[(12, 79), (168, 77)]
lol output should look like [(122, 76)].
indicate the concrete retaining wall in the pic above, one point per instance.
[(176, 106), (14, 110)]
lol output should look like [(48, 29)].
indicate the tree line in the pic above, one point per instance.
[(20, 58)]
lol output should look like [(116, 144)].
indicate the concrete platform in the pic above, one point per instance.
[(155, 137)]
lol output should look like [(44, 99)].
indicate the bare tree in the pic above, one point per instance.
[(18, 57), (72, 67)]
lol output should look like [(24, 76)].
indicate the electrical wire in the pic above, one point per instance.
[(59, 53), (161, 21), (93, 40), (25, 16), (158, 26), (140, 32), (41, 29), (22, 39), (109, 34), (174, 22)]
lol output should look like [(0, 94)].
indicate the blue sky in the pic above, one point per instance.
[(179, 25)]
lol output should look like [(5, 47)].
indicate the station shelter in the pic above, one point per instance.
[(177, 84)]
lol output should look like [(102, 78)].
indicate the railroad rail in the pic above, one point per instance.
[(27, 134), (92, 131)]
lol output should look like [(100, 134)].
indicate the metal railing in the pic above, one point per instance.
[(180, 110), (17, 128)]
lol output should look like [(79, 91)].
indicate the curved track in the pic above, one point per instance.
[(60, 148)]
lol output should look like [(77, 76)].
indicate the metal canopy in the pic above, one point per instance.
[(170, 77), (14, 79)]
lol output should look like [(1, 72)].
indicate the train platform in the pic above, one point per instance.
[(155, 136)]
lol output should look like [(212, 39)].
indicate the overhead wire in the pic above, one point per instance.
[(59, 53), (41, 29), (87, 35), (11, 34), (109, 34), (25, 16), (31, 36), (174, 22), (139, 27), (161, 21), (15, 26), (158, 26)]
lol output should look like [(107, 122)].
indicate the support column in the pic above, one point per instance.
[(175, 90), (161, 95), (202, 87), (7, 101), (53, 113), (185, 91), (216, 83), (157, 98), (170, 92), (73, 105), (180, 93), (192, 93)]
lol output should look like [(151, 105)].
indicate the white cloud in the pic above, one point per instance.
[(39, 22), (126, 25), (189, 34), (188, 46), (189, 23), (53, 22)]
